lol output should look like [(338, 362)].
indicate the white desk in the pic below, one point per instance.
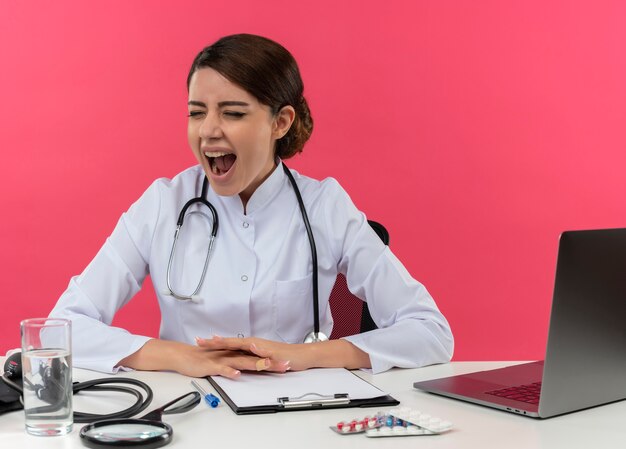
[(474, 426)]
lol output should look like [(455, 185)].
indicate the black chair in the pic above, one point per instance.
[(350, 314)]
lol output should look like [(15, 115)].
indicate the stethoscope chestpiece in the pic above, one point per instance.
[(314, 337)]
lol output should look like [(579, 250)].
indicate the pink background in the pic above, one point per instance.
[(475, 131)]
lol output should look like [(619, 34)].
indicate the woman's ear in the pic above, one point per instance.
[(283, 120)]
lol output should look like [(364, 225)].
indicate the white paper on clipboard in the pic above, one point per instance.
[(263, 388)]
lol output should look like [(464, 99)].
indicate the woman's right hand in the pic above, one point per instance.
[(196, 361)]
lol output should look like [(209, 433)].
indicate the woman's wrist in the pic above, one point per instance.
[(156, 355), (336, 354)]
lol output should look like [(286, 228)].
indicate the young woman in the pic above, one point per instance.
[(249, 304)]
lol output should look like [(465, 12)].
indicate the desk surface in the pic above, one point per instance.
[(474, 426)]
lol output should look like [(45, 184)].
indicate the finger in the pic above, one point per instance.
[(276, 366), (262, 364), (243, 362), (248, 363), (279, 366), (216, 363), (260, 351), (233, 344), (228, 371)]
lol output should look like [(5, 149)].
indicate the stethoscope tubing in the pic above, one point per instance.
[(179, 224), (309, 231), (316, 335), (141, 402)]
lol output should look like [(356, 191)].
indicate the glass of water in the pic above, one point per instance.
[(47, 375)]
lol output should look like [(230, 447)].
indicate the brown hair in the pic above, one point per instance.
[(267, 71)]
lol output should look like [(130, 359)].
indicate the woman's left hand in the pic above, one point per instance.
[(297, 357)]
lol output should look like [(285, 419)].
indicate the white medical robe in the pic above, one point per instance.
[(258, 281)]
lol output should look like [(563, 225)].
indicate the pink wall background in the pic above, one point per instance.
[(476, 131)]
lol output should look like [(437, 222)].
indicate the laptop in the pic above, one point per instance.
[(585, 361)]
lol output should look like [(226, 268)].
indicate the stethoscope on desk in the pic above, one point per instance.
[(102, 430), (314, 336), (47, 391)]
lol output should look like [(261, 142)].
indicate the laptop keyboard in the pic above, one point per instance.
[(524, 393)]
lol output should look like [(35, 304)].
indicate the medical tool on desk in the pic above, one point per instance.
[(211, 400), (12, 377), (311, 337), (149, 431)]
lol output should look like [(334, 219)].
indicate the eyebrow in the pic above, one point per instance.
[(221, 104)]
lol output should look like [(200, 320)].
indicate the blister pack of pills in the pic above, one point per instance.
[(394, 423), (358, 425)]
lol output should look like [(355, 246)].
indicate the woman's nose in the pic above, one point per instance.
[(210, 127)]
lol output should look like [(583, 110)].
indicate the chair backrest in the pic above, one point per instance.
[(350, 314)]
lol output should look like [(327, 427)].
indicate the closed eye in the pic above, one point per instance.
[(195, 113), (234, 114)]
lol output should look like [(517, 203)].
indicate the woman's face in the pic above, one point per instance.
[(231, 134)]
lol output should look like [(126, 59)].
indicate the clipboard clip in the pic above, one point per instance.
[(318, 401)]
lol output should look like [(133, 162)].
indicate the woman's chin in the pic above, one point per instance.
[(223, 189)]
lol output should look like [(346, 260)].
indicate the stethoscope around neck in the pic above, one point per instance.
[(314, 336)]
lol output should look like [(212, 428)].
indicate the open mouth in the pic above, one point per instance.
[(220, 162)]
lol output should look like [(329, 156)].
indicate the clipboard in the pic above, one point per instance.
[(351, 391)]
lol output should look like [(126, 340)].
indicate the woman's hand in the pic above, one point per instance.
[(197, 361), (229, 356), (326, 354), (295, 357)]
